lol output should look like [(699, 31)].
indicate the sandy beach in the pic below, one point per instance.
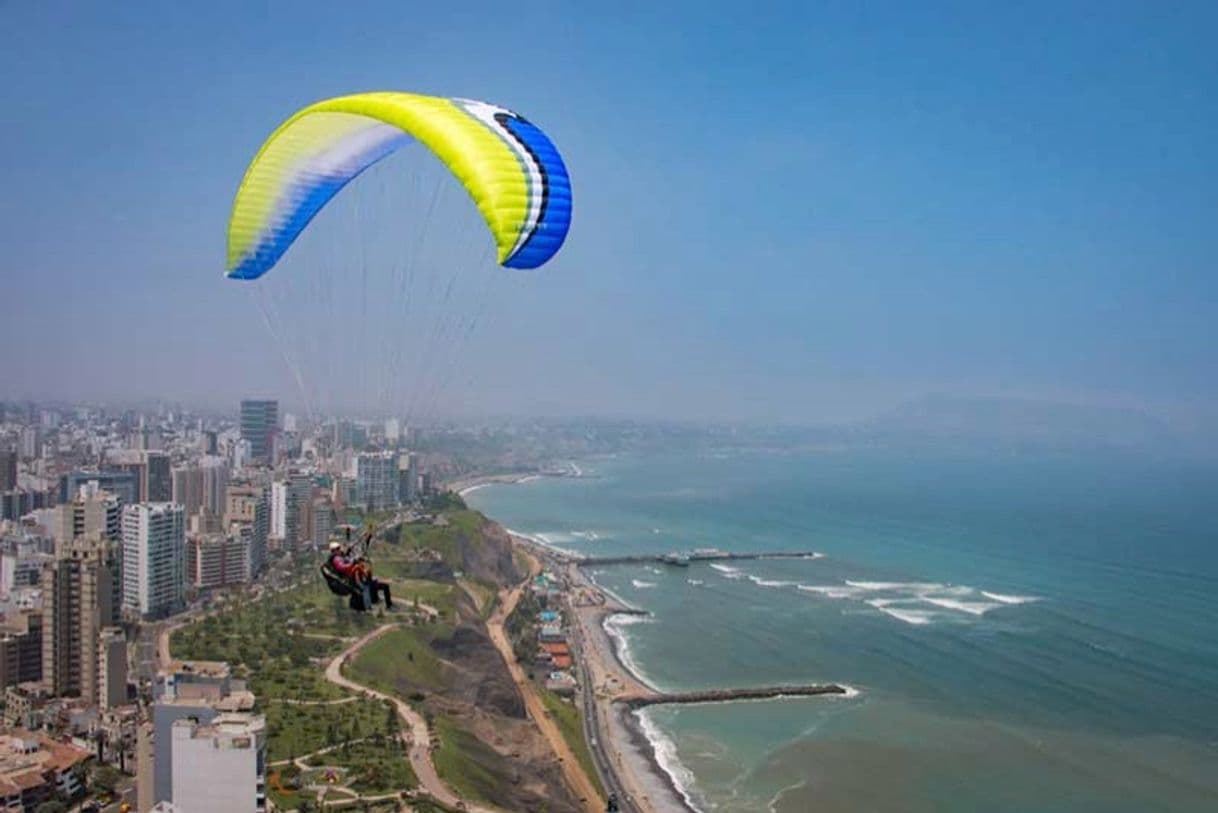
[(642, 783)]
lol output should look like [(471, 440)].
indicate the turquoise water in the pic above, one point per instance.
[(1024, 634)]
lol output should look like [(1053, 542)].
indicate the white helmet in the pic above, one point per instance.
[(334, 545)]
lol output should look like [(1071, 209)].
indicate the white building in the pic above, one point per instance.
[(279, 509), (154, 554), (220, 765)]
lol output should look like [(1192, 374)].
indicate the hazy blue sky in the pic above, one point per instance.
[(790, 212)]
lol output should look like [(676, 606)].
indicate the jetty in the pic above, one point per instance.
[(684, 559), (724, 695)]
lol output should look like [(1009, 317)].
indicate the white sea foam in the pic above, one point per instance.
[(655, 570), (472, 489), (695, 582), (889, 587), (915, 617), (615, 627), (810, 556), (528, 479), (642, 585), (588, 536), (760, 582), (724, 568), (776, 799), (971, 607), (851, 692), (540, 539), (1003, 598), (666, 757), (830, 590)]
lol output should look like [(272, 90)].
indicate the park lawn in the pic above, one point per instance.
[(570, 723), (434, 594), (400, 662), (278, 680), (461, 760), (295, 730), (443, 538), (371, 767)]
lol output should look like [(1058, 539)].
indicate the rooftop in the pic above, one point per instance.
[(25, 758)]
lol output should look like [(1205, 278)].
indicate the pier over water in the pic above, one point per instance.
[(683, 559), (726, 695)]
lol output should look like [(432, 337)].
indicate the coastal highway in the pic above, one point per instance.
[(573, 772), (596, 732)]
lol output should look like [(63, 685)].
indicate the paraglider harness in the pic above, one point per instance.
[(344, 586)]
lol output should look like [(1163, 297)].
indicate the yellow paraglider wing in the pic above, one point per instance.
[(507, 165)]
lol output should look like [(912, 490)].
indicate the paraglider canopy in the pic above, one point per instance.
[(508, 166)]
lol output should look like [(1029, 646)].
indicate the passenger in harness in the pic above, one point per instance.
[(350, 574)]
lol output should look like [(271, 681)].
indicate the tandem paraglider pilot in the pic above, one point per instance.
[(354, 576)]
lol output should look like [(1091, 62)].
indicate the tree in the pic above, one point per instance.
[(105, 778)]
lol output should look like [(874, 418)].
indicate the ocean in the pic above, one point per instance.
[(1024, 634)]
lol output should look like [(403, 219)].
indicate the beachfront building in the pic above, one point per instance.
[(551, 632)]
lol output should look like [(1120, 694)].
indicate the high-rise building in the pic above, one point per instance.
[(376, 480), (158, 481), (323, 521), (89, 512), (219, 765), (279, 510), (242, 454), (31, 442), (154, 558), (291, 510), (122, 484), (259, 423), (409, 489), (215, 481), (188, 488), (248, 508), (111, 668), (91, 515), (218, 560), (211, 442), (8, 470), (79, 598), (21, 648)]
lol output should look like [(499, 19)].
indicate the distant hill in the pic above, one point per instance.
[(1016, 424)]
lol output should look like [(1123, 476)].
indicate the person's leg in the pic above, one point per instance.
[(384, 588)]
